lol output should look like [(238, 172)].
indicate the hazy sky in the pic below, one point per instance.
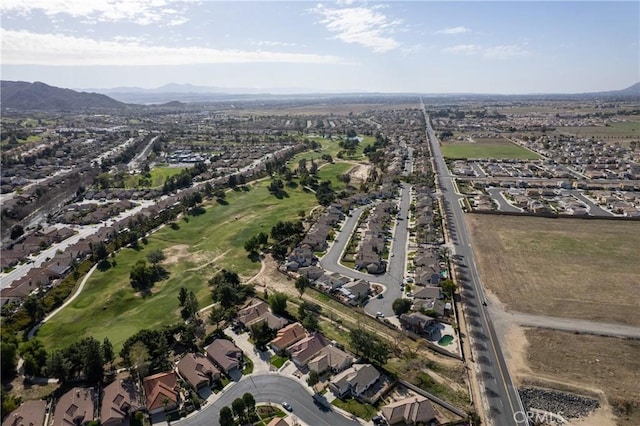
[(393, 46)]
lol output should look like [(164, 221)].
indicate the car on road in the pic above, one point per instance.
[(379, 296), (484, 303), (287, 406), (379, 315)]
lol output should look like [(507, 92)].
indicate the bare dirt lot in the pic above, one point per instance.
[(604, 366), (571, 268)]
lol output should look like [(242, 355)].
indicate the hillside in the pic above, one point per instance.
[(21, 95)]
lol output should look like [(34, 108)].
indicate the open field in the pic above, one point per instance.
[(497, 148), (572, 268), (332, 171), (158, 176), (109, 307), (624, 131), (329, 108), (610, 366)]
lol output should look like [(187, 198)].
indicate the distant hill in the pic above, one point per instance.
[(22, 95)]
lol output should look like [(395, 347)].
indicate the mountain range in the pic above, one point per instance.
[(20, 95)]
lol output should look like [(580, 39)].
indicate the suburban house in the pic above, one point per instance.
[(162, 392), (370, 261), (287, 336), (225, 354), (330, 358), (354, 381), (304, 350), (311, 272), (302, 256), (409, 411), (31, 413), (119, 400), (197, 370), (358, 288), (76, 407), (258, 312), (429, 298), (278, 421), (416, 322)]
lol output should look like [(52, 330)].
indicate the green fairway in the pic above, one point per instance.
[(158, 176), (332, 171), (497, 150), (109, 307)]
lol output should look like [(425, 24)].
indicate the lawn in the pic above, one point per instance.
[(572, 268), (331, 172), (109, 307), (277, 361), (358, 409), (158, 176), (487, 148)]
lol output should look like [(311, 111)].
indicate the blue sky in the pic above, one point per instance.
[(394, 46)]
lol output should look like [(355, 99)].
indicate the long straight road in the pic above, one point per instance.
[(504, 404)]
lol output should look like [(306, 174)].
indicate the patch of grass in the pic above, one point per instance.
[(158, 176), (496, 148), (248, 366), (277, 361), (108, 306), (623, 131), (358, 409), (331, 172)]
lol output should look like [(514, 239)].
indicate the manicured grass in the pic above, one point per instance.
[(158, 176), (277, 361), (331, 172), (248, 366), (109, 307), (495, 148), (358, 409)]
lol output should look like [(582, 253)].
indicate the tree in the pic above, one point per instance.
[(155, 256), (182, 296), (278, 303), (93, 368), (216, 316), (448, 287), (190, 309), (310, 322), (249, 401), (34, 355), (369, 345), (107, 351), (313, 379), (225, 417), (16, 231), (141, 277), (401, 306), (139, 355), (99, 251), (261, 334), (239, 408), (58, 366), (302, 283), (8, 358)]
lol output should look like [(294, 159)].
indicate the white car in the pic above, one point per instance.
[(379, 315)]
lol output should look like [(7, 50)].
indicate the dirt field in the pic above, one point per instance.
[(572, 268), (607, 366)]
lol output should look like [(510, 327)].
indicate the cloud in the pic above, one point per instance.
[(454, 30), (142, 12), (272, 43), (463, 48), (360, 25), (27, 48), (505, 51), (493, 52)]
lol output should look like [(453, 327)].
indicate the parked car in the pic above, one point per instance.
[(287, 406), (379, 315)]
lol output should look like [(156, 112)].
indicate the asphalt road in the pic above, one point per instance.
[(396, 263), (270, 388), (501, 395)]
